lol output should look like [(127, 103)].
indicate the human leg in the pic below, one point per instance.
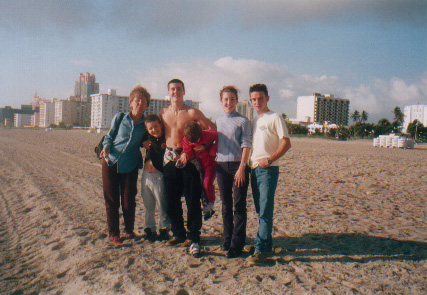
[(128, 188), (173, 184), (147, 187), (192, 190), (240, 211), (159, 192), (225, 184), (110, 186), (266, 183)]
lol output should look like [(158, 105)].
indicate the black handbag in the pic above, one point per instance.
[(100, 146)]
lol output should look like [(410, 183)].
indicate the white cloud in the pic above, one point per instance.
[(203, 79)]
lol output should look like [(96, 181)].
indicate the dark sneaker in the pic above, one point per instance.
[(175, 241), (149, 235), (208, 214), (225, 246), (234, 252), (163, 235), (116, 239), (257, 259)]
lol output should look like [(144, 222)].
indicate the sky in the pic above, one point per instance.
[(371, 52)]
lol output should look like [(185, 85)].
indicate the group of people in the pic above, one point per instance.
[(184, 153)]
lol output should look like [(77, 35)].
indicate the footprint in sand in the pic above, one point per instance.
[(58, 246)]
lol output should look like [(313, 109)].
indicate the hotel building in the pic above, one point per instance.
[(414, 112), (85, 87), (246, 109), (318, 108)]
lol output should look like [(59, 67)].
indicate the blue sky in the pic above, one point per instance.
[(371, 52)]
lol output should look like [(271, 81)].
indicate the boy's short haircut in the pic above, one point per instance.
[(231, 89), (192, 131), (153, 118), (259, 88), (138, 89), (176, 81)]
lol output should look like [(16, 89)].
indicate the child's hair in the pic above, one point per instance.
[(192, 131), (231, 89), (153, 118)]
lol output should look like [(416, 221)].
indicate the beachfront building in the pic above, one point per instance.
[(246, 109), (85, 86), (318, 108), (22, 120), (414, 112), (65, 112), (47, 113), (35, 119), (104, 106)]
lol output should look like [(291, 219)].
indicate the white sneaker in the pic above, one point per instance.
[(194, 249)]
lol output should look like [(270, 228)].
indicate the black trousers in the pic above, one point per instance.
[(184, 182), (119, 188), (234, 214)]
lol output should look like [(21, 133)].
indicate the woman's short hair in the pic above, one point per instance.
[(231, 89), (139, 90)]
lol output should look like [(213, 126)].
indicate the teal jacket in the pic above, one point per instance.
[(125, 147)]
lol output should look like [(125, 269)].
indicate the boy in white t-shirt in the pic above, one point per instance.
[(270, 142)]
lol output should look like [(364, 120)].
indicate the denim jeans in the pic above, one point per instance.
[(264, 183)]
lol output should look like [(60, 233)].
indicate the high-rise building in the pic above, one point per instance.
[(414, 112), (320, 108), (85, 87), (246, 109), (65, 112), (105, 106), (47, 113), (22, 120)]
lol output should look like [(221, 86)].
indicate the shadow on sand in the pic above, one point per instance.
[(331, 247)]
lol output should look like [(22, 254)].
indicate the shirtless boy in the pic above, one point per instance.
[(182, 181)]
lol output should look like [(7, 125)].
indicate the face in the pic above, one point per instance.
[(154, 129), (259, 101), (138, 104), (229, 101), (176, 92)]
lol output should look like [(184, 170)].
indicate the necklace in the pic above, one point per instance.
[(176, 110)]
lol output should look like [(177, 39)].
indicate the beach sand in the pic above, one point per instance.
[(349, 218)]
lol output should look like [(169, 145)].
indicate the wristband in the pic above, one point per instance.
[(269, 161)]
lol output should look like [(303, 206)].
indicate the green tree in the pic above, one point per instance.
[(399, 116), (284, 116), (355, 116), (383, 127), (364, 116)]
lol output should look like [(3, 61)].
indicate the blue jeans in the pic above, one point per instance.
[(264, 183)]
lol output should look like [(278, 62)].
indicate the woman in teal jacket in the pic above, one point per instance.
[(122, 158)]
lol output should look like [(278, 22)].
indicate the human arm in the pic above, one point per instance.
[(239, 177), (205, 122), (284, 146), (187, 151)]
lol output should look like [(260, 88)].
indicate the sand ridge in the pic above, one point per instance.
[(349, 218)]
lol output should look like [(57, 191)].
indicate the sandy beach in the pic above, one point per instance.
[(349, 219)]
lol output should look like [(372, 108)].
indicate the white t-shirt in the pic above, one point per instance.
[(267, 130)]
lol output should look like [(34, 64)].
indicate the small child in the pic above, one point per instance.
[(152, 182), (202, 145)]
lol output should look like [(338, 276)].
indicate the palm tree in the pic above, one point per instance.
[(399, 116), (364, 116), (355, 116)]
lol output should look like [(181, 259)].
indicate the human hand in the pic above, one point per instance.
[(146, 144), (184, 158), (239, 177), (199, 148), (263, 163), (104, 153)]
